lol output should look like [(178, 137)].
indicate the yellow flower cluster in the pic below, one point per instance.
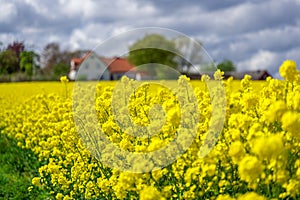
[(108, 142), (288, 70)]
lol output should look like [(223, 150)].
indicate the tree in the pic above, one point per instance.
[(51, 56), (1, 44), (153, 49), (8, 62), (28, 61), (66, 56), (57, 62), (61, 69), (17, 47), (191, 50), (226, 66), (10, 57)]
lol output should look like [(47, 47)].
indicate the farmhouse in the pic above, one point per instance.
[(94, 67)]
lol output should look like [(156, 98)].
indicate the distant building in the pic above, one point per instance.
[(94, 67), (256, 75)]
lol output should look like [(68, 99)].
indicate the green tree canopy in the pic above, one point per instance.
[(8, 61), (153, 49), (61, 69), (226, 66), (28, 62)]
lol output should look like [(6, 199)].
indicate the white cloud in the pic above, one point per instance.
[(77, 39), (8, 12), (294, 53), (72, 8), (46, 9), (89, 36), (95, 9), (120, 30), (240, 18), (10, 37), (274, 38), (261, 60)]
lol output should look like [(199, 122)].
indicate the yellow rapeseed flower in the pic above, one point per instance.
[(218, 75), (225, 197), (268, 146), (250, 168), (151, 193), (251, 196), (291, 122), (288, 70), (64, 79)]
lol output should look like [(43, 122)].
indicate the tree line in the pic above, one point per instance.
[(20, 62), (184, 54)]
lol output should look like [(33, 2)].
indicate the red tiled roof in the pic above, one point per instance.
[(77, 60), (117, 64)]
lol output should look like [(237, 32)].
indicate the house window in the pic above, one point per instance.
[(98, 66)]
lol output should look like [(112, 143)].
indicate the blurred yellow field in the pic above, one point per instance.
[(15, 93)]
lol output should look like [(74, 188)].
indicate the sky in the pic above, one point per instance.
[(254, 34)]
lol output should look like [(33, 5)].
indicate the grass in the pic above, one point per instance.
[(17, 167)]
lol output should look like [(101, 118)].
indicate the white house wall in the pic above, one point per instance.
[(92, 68)]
